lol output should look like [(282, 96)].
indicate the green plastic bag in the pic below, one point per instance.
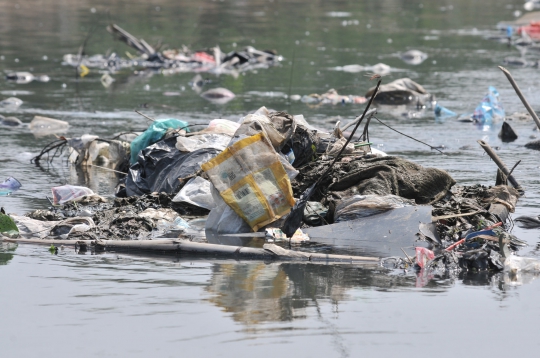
[(154, 133)]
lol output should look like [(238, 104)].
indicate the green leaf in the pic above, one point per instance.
[(8, 226)]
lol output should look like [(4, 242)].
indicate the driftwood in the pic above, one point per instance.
[(267, 252)]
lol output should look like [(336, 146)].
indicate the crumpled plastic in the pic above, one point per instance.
[(63, 194), (489, 109), (198, 192), (9, 185)]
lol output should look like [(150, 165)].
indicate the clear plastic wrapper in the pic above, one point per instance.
[(63, 194)]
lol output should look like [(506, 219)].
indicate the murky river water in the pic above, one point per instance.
[(122, 305)]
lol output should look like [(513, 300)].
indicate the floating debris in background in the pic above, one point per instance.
[(174, 60)]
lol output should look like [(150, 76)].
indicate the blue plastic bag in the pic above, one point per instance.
[(490, 108), (153, 134), (442, 112)]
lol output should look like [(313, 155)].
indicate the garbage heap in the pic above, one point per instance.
[(236, 178)]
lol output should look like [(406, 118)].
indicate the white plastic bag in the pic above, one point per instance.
[(190, 144), (198, 192), (63, 194), (515, 264)]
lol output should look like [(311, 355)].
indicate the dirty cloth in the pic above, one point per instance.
[(160, 166), (379, 176)]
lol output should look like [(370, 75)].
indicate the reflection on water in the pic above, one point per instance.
[(7, 250), (123, 300)]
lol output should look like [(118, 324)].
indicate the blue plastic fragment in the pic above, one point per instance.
[(489, 109), (442, 112)]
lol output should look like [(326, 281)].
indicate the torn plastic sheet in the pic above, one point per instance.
[(202, 141)]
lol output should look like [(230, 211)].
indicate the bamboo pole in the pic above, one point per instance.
[(267, 252)]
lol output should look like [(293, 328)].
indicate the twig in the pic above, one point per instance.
[(291, 77), (82, 47), (505, 177), (436, 218), (112, 170), (145, 116), (51, 146), (408, 257), (514, 167), (408, 136)]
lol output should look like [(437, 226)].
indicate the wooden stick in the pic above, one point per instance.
[(521, 96), (436, 218)]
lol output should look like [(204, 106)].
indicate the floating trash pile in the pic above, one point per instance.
[(173, 60)]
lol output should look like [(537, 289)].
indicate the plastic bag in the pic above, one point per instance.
[(200, 141), (154, 133), (223, 220), (63, 194), (359, 206), (423, 255), (198, 192), (302, 147), (43, 126), (221, 126), (70, 226), (489, 109), (516, 263), (252, 181), (9, 185), (159, 167), (278, 127)]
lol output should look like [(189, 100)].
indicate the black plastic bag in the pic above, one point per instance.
[(160, 165)]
